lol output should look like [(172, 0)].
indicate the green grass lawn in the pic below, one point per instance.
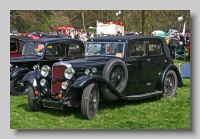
[(154, 113)]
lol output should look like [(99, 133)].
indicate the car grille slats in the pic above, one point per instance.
[(57, 78)]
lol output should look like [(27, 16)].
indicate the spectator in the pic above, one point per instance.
[(188, 45), (72, 35), (136, 33), (69, 35), (180, 47), (172, 45), (182, 39), (77, 36), (118, 33)]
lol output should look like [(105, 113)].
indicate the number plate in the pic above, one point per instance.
[(53, 104)]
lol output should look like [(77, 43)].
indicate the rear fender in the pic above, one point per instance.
[(160, 81), (17, 71)]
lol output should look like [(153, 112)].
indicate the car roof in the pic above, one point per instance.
[(19, 37), (121, 38), (54, 40)]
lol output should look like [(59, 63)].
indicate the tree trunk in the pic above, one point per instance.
[(146, 22)]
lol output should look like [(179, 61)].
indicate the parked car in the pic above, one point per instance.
[(40, 52), (120, 67), (16, 45), (54, 36), (103, 35), (35, 35), (172, 32)]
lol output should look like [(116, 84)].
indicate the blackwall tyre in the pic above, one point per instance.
[(170, 84), (33, 104), (115, 71), (17, 87), (90, 101)]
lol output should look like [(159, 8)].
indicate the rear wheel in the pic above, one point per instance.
[(33, 104), (90, 101), (170, 84)]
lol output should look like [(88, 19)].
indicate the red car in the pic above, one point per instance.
[(35, 35), (16, 45)]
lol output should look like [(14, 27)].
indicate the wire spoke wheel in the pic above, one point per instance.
[(170, 84), (116, 73), (90, 101), (18, 86), (117, 76), (93, 102)]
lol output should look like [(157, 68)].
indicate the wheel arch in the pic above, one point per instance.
[(85, 80), (17, 71), (162, 73)]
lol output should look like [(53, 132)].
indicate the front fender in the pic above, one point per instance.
[(85, 80), (30, 76), (160, 81), (16, 71)]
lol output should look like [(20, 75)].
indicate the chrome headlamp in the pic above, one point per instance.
[(69, 72), (87, 71), (94, 70), (45, 70), (43, 82), (64, 85), (36, 67)]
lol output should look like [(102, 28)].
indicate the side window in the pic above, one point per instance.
[(155, 47), (75, 50), (52, 49), (136, 48), (12, 45)]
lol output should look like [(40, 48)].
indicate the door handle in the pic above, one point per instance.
[(127, 64)]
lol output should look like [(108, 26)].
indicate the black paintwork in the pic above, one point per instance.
[(19, 43), (24, 64), (27, 62), (141, 70)]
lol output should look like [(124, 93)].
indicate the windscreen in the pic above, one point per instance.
[(105, 49)]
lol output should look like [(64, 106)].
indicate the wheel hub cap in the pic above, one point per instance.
[(22, 84)]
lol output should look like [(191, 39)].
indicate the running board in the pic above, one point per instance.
[(144, 95)]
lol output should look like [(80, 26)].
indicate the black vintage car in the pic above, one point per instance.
[(120, 67), (40, 52), (16, 45)]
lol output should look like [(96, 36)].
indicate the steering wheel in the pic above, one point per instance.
[(97, 52)]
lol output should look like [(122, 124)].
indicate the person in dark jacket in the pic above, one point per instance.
[(182, 39), (172, 45), (77, 36)]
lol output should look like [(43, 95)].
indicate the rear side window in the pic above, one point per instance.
[(136, 48), (75, 50), (155, 47), (13, 45)]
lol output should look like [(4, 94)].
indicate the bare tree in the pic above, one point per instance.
[(146, 22)]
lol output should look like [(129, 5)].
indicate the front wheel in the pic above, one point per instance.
[(33, 104), (90, 101), (170, 84), (17, 86)]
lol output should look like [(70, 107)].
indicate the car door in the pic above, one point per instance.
[(156, 60), (137, 66)]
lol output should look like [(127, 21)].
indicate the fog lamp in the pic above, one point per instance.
[(64, 85)]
